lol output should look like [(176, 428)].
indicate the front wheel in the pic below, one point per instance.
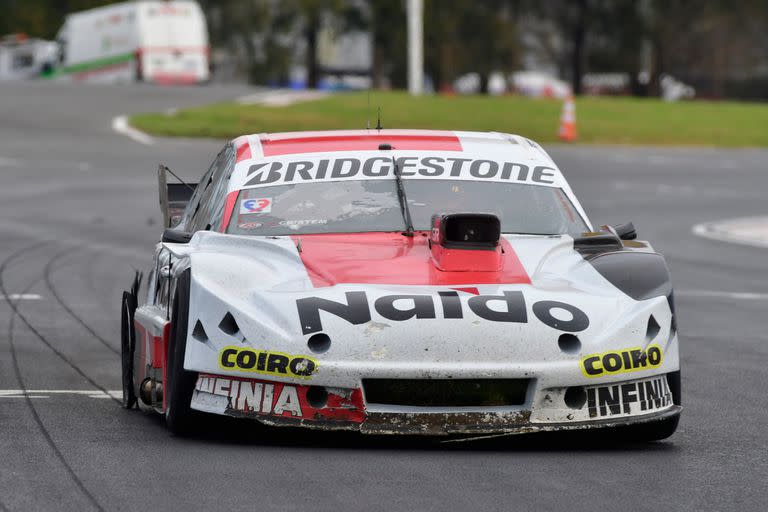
[(127, 348), (179, 417)]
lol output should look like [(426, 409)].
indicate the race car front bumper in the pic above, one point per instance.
[(534, 410)]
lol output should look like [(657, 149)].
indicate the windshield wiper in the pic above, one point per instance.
[(403, 200)]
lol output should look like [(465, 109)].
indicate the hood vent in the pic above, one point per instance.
[(228, 325), (466, 242), (592, 244), (652, 330), (199, 333)]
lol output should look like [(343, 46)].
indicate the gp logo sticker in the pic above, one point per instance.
[(629, 360), (267, 362)]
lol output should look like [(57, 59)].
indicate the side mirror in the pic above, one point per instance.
[(173, 236), (626, 231)]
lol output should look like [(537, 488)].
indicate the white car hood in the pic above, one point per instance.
[(265, 285)]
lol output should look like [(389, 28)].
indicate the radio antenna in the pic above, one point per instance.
[(378, 119), (181, 180)]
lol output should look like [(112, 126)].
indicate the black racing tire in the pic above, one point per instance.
[(127, 349), (179, 417), (648, 432)]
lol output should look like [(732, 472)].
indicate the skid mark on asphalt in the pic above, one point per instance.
[(49, 283), (20, 378), (26, 321), (29, 230)]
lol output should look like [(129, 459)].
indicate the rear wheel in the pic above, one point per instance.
[(179, 417), (127, 348)]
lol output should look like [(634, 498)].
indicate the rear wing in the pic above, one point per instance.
[(173, 197)]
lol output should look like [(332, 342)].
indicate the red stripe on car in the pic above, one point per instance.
[(472, 289), (244, 151), (391, 258), (229, 207), (141, 340), (321, 142), (257, 397), (165, 341)]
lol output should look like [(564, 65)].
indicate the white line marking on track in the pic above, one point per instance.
[(21, 296), (722, 295), (121, 126), (718, 231), (45, 393)]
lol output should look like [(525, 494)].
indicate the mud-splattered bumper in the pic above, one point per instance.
[(327, 408)]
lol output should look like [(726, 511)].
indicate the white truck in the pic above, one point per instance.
[(23, 58), (157, 41)]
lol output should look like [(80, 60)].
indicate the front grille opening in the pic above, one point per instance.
[(446, 392)]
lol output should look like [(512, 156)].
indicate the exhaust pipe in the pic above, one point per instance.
[(151, 392)]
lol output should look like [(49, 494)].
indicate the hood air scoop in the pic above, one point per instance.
[(466, 242)]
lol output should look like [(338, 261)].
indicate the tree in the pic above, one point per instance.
[(618, 32), (709, 43), (313, 16), (569, 19), (40, 18), (386, 21), (465, 36), (233, 24)]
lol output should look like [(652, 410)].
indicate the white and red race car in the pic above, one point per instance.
[(399, 281)]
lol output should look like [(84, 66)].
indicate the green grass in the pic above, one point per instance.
[(599, 120)]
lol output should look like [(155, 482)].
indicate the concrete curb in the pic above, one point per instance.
[(281, 97), (121, 126)]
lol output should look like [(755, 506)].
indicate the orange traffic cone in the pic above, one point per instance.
[(567, 131)]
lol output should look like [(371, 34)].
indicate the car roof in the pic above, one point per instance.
[(266, 145)]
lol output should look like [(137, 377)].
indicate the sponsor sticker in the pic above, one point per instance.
[(267, 362), (508, 306), (249, 225), (297, 223), (629, 398), (281, 172), (622, 361), (217, 394), (251, 396), (260, 205)]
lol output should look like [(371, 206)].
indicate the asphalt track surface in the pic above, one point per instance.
[(78, 213)]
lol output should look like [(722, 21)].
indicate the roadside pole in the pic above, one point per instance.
[(415, 13)]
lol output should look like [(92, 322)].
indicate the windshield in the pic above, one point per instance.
[(372, 205)]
